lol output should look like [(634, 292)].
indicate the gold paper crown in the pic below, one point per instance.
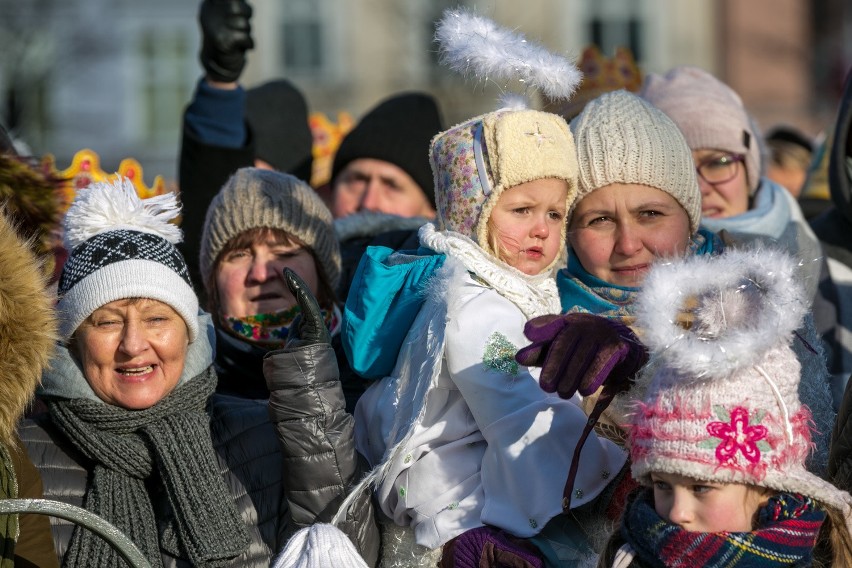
[(85, 169), (601, 74), (327, 137)]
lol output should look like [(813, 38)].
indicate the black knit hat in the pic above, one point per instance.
[(398, 130), (278, 117)]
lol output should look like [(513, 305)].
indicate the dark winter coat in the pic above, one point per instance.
[(288, 462)]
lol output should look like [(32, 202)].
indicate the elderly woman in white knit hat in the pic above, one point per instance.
[(135, 432), (639, 202)]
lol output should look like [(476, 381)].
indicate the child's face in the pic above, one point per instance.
[(702, 506), (619, 230), (526, 224)]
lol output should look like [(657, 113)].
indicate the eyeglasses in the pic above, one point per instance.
[(719, 169)]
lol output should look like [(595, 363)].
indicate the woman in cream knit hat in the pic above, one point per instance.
[(639, 203)]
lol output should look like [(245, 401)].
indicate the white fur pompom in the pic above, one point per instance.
[(111, 205), (472, 44), (747, 301)]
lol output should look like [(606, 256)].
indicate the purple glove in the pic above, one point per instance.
[(579, 352)]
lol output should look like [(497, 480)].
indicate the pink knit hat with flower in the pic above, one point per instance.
[(475, 161), (723, 402)]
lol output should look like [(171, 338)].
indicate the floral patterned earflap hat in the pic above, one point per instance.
[(475, 161)]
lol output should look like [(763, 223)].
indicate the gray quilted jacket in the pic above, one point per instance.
[(288, 463)]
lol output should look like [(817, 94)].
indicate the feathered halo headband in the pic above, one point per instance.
[(474, 45)]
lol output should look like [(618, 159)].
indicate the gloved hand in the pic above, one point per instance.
[(309, 326), (578, 352), (225, 38), (581, 353)]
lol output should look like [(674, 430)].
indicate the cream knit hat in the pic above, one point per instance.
[(475, 161), (255, 198), (708, 112), (723, 403), (622, 139)]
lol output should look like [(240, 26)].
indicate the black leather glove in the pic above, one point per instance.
[(225, 38), (309, 326)]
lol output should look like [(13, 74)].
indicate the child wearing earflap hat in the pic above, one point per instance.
[(720, 438), (459, 433)]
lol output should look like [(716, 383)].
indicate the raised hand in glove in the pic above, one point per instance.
[(309, 326), (579, 352), (225, 38)]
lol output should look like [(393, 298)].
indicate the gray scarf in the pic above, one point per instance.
[(168, 444)]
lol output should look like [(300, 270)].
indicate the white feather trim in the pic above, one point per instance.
[(112, 205), (471, 44), (758, 285)]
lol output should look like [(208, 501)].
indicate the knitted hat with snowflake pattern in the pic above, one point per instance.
[(122, 247), (723, 402)]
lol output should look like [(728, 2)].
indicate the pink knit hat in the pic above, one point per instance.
[(723, 402), (708, 112)]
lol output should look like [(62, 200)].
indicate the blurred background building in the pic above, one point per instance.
[(115, 75)]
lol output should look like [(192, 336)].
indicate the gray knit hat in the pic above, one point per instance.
[(708, 112), (620, 138), (255, 198)]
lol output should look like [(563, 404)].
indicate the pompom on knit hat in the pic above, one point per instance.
[(278, 117), (475, 161), (256, 198), (319, 546), (623, 139), (708, 112), (122, 247), (695, 420), (397, 130)]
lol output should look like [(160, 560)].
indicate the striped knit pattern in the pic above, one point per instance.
[(787, 530)]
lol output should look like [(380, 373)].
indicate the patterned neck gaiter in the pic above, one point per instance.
[(270, 330)]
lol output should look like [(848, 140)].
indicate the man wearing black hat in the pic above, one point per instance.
[(383, 163)]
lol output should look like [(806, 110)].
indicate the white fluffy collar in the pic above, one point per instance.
[(534, 295)]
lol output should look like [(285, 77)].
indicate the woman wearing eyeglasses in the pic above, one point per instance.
[(726, 147)]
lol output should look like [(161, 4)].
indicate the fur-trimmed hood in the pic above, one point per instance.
[(27, 326)]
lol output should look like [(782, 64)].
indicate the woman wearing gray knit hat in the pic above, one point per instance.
[(726, 148), (259, 223), (639, 202), (135, 432)]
